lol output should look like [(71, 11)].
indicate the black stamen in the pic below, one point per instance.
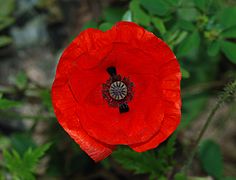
[(124, 108), (111, 70)]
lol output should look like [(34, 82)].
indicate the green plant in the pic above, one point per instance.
[(6, 19), (154, 163), (23, 167)]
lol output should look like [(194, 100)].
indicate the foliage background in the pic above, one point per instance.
[(33, 33)]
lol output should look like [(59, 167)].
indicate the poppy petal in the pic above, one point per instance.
[(138, 125), (65, 108), (143, 69), (87, 42), (168, 126), (171, 98)]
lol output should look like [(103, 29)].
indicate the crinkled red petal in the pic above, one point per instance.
[(172, 103), (146, 61), (66, 108)]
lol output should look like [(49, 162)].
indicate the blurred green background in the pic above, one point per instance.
[(33, 34)]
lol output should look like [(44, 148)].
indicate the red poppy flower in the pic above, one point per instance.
[(119, 87)]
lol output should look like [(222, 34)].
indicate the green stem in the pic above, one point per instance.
[(203, 130), (229, 90)]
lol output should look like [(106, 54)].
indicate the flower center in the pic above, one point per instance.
[(117, 90)]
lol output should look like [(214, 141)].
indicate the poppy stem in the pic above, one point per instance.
[(197, 142), (229, 91)]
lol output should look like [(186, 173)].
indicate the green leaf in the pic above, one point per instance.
[(16, 166), (202, 4), (89, 24), (139, 163), (1, 175), (106, 164), (156, 164), (159, 178), (180, 176), (127, 16), (32, 156), (7, 104), (5, 22), (156, 7), (105, 26), (159, 24), (229, 33), (180, 37), (186, 25), (7, 7), (170, 36), (174, 3), (4, 142), (46, 99), (211, 159), (188, 14), (226, 17), (139, 16), (113, 15), (185, 73), (21, 80), (213, 48), (189, 43), (21, 142), (5, 40), (23, 167), (229, 49)]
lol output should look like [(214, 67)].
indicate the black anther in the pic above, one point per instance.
[(111, 70), (124, 108)]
